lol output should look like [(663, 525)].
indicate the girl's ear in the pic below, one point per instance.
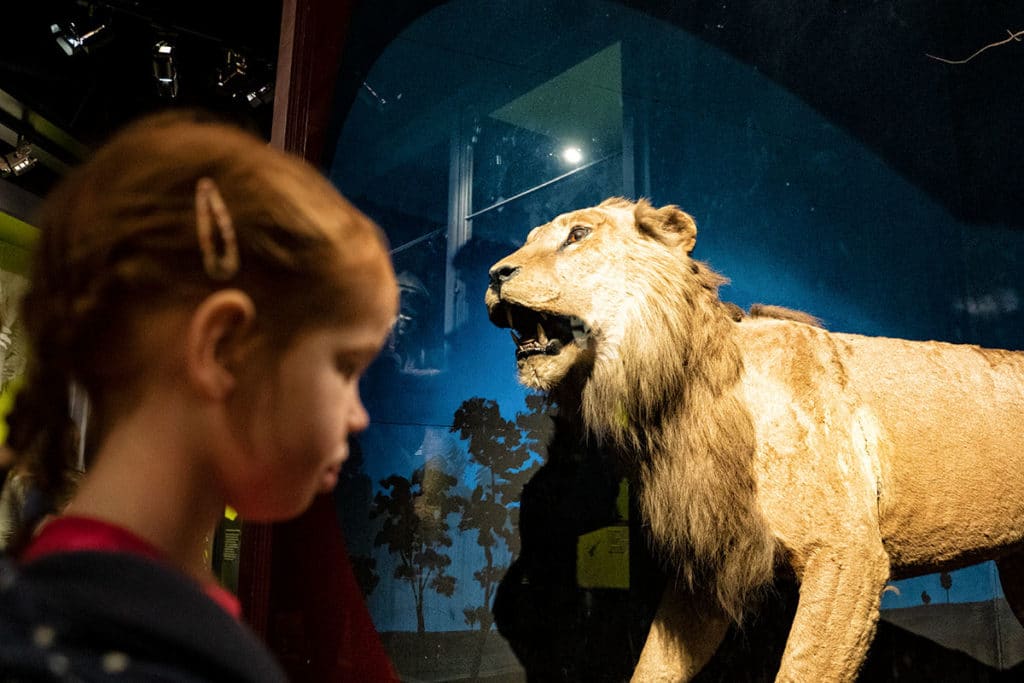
[(216, 330)]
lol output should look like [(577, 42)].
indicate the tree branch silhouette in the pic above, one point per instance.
[(1013, 37)]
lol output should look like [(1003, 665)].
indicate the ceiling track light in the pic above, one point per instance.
[(239, 80), (81, 35), (165, 70), (18, 162), (233, 74), (261, 95)]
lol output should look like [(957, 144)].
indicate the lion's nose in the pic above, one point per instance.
[(500, 274)]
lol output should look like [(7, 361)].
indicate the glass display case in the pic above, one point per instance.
[(860, 162)]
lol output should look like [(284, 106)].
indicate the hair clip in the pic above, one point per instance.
[(220, 263)]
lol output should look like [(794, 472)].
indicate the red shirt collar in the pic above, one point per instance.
[(75, 534)]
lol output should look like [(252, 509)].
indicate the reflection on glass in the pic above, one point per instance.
[(547, 133)]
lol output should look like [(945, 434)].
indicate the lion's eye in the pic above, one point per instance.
[(577, 233)]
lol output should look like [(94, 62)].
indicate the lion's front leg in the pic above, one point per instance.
[(840, 592), (686, 631)]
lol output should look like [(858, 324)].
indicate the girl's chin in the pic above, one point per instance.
[(330, 479)]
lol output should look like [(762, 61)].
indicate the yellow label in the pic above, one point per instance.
[(230, 513), (7, 403), (602, 558)]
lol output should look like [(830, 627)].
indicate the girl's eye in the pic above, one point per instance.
[(577, 233)]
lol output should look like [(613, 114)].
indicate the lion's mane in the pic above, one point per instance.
[(664, 395)]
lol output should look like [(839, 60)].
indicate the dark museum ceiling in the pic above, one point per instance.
[(848, 60), (840, 56), (65, 104)]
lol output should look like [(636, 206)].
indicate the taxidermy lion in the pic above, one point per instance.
[(763, 443)]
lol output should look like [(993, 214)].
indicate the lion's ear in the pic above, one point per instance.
[(669, 224)]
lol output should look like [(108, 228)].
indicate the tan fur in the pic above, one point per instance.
[(764, 440), (780, 313)]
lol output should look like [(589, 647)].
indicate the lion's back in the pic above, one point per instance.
[(935, 423)]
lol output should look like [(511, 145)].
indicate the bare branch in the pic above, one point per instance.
[(1013, 36)]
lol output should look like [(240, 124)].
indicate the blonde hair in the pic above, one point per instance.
[(119, 239)]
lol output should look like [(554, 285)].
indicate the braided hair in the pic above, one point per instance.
[(118, 239)]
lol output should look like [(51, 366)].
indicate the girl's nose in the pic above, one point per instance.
[(358, 418)]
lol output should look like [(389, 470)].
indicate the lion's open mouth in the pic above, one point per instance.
[(535, 332)]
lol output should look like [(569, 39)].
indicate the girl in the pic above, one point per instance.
[(217, 301)]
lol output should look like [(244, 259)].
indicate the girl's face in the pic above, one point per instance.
[(302, 412)]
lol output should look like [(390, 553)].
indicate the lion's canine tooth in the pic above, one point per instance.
[(508, 312), (541, 336), (517, 340)]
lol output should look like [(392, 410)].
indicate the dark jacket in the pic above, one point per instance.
[(98, 616)]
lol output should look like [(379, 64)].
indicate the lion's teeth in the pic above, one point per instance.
[(508, 312), (517, 340), (541, 336)]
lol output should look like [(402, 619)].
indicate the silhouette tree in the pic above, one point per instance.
[(536, 427), (415, 528), (505, 452), (365, 569), (947, 582)]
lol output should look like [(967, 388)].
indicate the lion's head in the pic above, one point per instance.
[(608, 300)]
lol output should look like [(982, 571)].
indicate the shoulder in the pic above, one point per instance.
[(95, 614)]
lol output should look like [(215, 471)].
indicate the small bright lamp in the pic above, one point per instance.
[(572, 155)]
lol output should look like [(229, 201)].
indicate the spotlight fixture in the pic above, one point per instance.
[(261, 95), (165, 71), (232, 76), (80, 36), (18, 162), (239, 79)]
